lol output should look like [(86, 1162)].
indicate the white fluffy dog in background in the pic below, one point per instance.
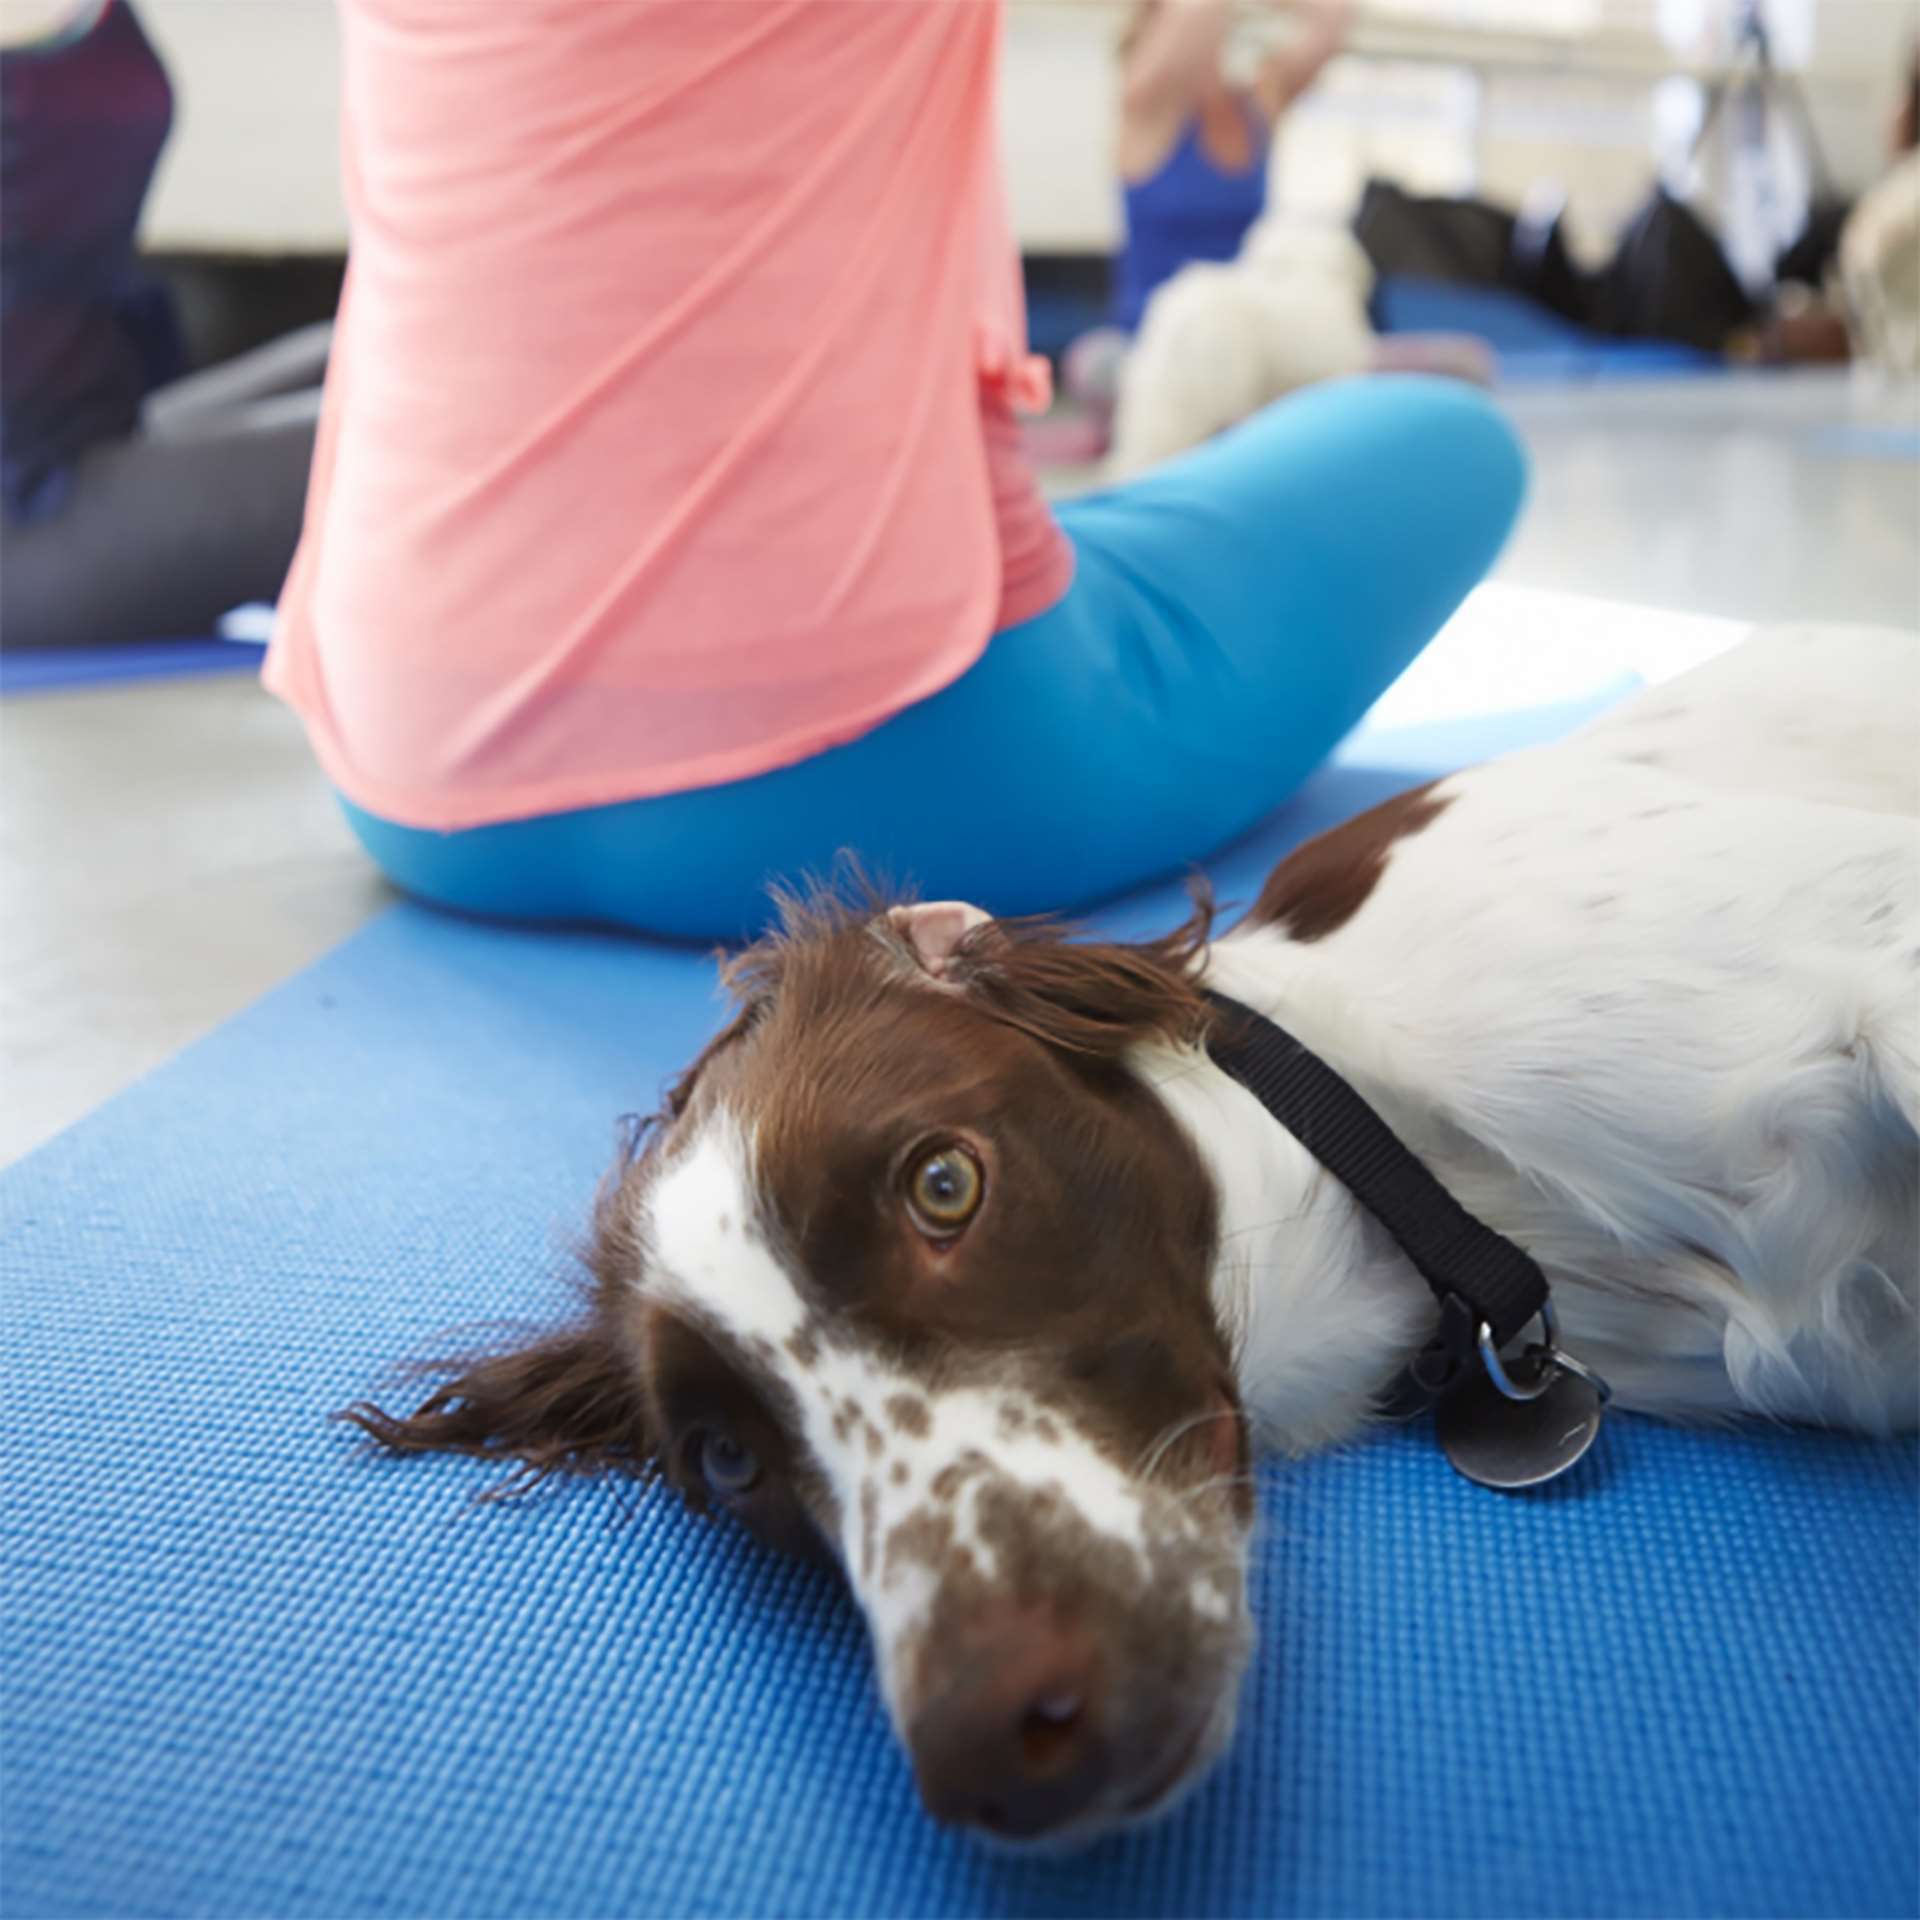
[(1220, 341)]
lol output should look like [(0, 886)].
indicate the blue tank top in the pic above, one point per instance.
[(1187, 210)]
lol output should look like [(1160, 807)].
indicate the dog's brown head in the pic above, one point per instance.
[(915, 1270)]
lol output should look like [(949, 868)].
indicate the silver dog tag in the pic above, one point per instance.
[(1508, 1443)]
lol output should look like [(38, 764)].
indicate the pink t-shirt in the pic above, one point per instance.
[(652, 454)]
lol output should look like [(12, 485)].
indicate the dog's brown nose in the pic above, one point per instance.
[(1010, 1741)]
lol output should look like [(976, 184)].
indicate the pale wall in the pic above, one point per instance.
[(252, 164)]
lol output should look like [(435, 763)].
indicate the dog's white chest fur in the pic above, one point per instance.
[(1648, 1002)]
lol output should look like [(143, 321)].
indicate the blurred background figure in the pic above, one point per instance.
[(138, 501), (1264, 250), (1193, 146), (1219, 305), (1192, 150), (1879, 262)]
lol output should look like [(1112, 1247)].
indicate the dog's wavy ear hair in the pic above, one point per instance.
[(568, 1400), (1090, 998)]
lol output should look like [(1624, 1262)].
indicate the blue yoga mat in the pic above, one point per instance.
[(1531, 343), (250, 1671), (55, 669)]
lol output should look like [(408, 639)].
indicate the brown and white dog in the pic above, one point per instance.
[(956, 1255)]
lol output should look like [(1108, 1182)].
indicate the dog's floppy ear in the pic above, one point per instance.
[(568, 1402), (1087, 997), (936, 933)]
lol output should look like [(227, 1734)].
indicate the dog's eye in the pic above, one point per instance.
[(728, 1468), (945, 1190)]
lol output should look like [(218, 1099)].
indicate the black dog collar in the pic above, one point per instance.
[(1489, 1290)]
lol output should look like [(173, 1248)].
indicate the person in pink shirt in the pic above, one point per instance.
[(669, 531)]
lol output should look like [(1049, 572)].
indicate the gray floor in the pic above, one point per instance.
[(167, 852)]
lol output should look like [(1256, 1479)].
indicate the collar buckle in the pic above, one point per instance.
[(1505, 1425)]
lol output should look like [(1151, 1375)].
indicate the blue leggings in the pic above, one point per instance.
[(1232, 615)]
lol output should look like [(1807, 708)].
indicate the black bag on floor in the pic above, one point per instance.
[(1669, 280), (1465, 242), (1470, 243)]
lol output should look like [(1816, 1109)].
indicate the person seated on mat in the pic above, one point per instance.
[(133, 505), (669, 530)]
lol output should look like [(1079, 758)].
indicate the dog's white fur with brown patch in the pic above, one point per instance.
[(1648, 1002), (958, 1253)]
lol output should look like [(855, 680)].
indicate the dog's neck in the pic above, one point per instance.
[(1320, 1308)]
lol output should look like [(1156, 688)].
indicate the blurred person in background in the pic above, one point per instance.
[(1220, 305), (1192, 153), (1879, 263), (135, 503), (1194, 147)]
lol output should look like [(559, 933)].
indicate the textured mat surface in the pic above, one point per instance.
[(249, 1671)]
